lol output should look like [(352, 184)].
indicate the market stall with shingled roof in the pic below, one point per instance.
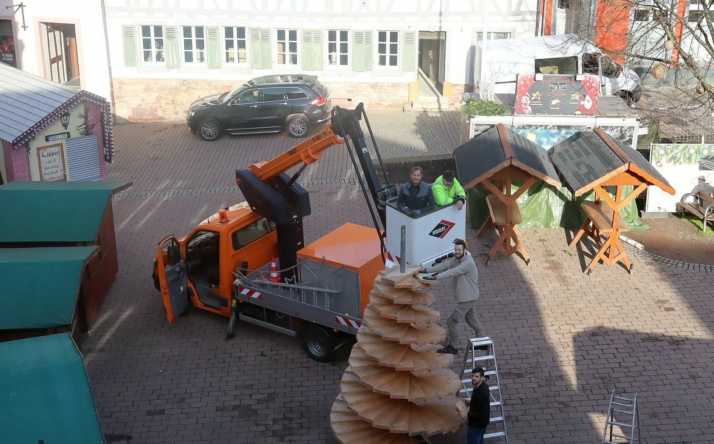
[(498, 158), (592, 161)]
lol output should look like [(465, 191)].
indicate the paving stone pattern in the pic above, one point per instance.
[(564, 339)]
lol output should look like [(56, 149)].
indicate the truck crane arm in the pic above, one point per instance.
[(272, 193)]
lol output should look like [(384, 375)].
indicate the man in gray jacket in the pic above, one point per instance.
[(462, 268)]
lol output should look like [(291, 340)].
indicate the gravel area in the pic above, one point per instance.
[(676, 238)]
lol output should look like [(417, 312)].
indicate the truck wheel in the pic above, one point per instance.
[(298, 125), (318, 343), (210, 130)]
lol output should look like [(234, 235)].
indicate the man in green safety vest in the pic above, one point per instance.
[(448, 190)]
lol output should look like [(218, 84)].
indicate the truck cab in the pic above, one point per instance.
[(201, 264)]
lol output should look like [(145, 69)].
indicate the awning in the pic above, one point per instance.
[(45, 394), (40, 286), (54, 211)]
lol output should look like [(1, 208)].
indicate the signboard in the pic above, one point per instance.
[(59, 136), (681, 165), (51, 162), (556, 94)]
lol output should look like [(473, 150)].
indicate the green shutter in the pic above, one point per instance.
[(129, 37), (312, 50), (260, 48), (362, 51), (171, 47), (409, 52), (213, 47)]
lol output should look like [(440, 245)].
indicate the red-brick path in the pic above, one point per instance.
[(564, 339)]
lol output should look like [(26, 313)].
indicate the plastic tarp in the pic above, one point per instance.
[(75, 210), (45, 394), (40, 286), (544, 206)]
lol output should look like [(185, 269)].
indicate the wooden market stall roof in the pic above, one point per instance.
[(500, 148), (41, 285), (49, 212), (590, 159), (29, 103)]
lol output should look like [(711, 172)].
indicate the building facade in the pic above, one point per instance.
[(165, 54), (60, 41)]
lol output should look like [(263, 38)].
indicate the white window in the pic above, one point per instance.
[(388, 48), (287, 47), (152, 44), (493, 35), (338, 48), (235, 43), (194, 44)]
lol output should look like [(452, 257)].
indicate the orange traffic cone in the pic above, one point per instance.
[(274, 273)]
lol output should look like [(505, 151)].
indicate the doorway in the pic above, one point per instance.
[(59, 44), (432, 57)]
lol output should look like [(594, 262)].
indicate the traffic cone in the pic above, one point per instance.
[(274, 273)]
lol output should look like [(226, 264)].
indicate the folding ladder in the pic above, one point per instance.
[(481, 352), (622, 413)]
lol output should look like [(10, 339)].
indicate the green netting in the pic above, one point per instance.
[(544, 206)]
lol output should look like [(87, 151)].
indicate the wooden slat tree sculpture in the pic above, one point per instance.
[(397, 386)]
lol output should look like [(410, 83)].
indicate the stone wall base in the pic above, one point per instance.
[(146, 100)]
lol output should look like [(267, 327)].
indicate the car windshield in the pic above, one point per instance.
[(226, 97)]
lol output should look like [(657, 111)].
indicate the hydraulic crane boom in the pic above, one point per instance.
[(272, 193)]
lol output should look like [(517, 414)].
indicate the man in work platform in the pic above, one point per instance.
[(448, 190), (462, 268), (416, 196)]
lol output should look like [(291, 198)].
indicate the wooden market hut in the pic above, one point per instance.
[(592, 161), (498, 158), (56, 221), (51, 132)]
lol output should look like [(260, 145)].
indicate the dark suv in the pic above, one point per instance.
[(265, 104)]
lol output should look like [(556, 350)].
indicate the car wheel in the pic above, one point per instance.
[(318, 343), (210, 130), (298, 125)]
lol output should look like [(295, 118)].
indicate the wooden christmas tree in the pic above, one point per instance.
[(397, 386)]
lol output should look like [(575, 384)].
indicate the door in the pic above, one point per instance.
[(274, 109), (173, 279), (242, 109)]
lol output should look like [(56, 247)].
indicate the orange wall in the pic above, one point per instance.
[(611, 28)]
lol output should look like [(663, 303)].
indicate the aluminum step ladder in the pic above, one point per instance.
[(623, 420), (482, 352)]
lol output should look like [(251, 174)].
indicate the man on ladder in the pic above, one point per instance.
[(479, 408)]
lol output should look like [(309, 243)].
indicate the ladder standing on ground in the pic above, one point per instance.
[(626, 409), (481, 352)]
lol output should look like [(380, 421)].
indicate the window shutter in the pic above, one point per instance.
[(362, 51), (213, 47), (409, 52), (260, 48), (312, 50), (129, 38), (171, 47)]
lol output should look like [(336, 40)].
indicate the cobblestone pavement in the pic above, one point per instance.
[(564, 339)]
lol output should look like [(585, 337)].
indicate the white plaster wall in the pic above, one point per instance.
[(89, 27), (461, 19)]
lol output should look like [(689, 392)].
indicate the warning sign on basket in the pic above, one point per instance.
[(51, 162)]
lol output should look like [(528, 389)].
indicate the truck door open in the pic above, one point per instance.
[(173, 279)]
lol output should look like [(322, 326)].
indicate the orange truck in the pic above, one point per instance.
[(249, 261)]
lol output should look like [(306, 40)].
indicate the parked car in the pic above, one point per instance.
[(265, 104)]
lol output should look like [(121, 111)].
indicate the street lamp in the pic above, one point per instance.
[(64, 118)]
